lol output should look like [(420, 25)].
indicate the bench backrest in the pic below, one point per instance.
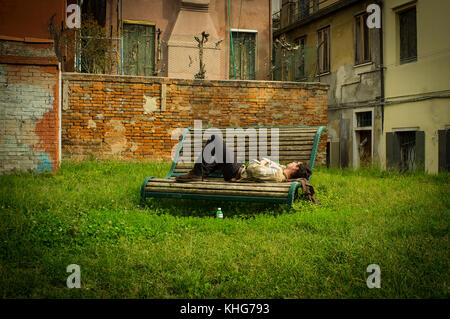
[(282, 144)]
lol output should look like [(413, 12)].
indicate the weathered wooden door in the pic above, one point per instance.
[(139, 49), (244, 45)]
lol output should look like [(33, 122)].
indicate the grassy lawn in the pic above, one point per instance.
[(88, 214)]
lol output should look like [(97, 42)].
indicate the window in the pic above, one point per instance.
[(300, 65), (405, 150), (298, 10), (289, 59), (323, 56), (362, 35), (244, 49), (407, 142), (303, 8), (362, 138), (364, 119), (408, 35), (139, 49), (315, 5)]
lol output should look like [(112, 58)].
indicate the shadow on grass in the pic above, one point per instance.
[(208, 208)]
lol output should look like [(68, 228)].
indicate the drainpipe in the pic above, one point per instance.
[(380, 31), (121, 35), (270, 38), (317, 58), (60, 113), (231, 39)]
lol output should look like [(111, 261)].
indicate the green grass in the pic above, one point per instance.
[(88, 214)]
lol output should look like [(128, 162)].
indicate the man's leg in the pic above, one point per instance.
[(203, 168)]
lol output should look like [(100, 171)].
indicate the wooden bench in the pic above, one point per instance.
[(295, 144)]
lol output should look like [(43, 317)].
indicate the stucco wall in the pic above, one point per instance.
[(249, 15), (352, 86), (423, 80), (29, 106), (30, 18), (428, 116)]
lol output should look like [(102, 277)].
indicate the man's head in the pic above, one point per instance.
[(298, 170)]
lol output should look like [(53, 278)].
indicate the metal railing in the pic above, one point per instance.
[(297, 10)]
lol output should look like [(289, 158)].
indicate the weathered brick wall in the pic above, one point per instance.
[(29, 105), (129, 117)]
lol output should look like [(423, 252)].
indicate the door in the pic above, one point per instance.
[(139, 49), (244, 49)]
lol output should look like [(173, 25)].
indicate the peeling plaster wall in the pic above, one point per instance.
[(124, 117), (352, 86), (29, 108)]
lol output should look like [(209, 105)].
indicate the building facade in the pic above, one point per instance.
[(30, 73), (329, 41), (389, 89), (152, 37), (177, 22), (417, 85)]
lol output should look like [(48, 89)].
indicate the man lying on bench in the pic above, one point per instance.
[(233, 171), (255, 171)]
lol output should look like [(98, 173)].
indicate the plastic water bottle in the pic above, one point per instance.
[(219, 213)]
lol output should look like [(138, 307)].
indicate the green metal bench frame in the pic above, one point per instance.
[(292, 195)]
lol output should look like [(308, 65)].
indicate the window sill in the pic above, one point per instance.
[(362, 128), (325, 73), (363, 64), (408, 61)]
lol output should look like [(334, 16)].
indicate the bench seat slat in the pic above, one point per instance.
[(218, 181), (220, 192), (208, 185)]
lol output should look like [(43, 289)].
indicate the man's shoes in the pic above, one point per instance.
[(189, 177)]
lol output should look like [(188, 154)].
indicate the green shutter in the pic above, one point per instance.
[(392, 151), (444, 150), (244, 46), (420, 151), (139, 49)]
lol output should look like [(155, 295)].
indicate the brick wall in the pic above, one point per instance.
[(129, 117), (29, 105)]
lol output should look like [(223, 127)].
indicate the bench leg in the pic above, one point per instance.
[(143, 203)]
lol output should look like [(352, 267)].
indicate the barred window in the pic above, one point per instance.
[(244, 50), (364, 119)]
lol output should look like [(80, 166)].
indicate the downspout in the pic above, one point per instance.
[(270, 38), (231, 39), (381, 67), (121, 36), (60, 98), (317, 59)]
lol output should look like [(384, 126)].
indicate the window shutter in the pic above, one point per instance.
[(244, 48), (251, 48), (420, 150), (392, 151), (444, 150), (447, 148), (139, 49)]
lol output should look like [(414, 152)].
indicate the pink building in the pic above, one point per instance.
[(158, 37)]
